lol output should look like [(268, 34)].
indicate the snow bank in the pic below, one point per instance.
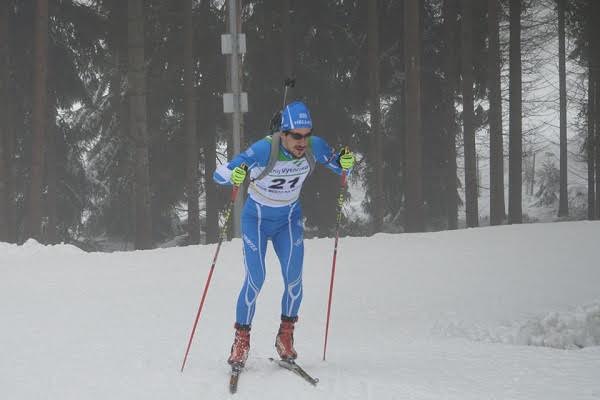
[(573, 329), (562, 330), (32, 247)]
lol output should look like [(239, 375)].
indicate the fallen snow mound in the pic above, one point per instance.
[(562, 330), (573, 329)]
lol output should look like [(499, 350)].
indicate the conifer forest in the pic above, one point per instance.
[(461, 113)]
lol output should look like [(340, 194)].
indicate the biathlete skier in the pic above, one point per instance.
[(277, 166)]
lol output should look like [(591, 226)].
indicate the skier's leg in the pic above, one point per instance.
[(255, 247), (288, 243), (289, 246)]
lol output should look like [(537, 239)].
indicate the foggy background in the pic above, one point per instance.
[(112, 115)]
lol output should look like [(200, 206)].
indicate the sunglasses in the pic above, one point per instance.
[(298, 136)]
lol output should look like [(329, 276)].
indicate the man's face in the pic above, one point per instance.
[(296, 140)]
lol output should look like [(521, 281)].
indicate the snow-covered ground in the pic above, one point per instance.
[(510, 312)]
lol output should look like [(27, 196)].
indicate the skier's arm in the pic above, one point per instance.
[(257, 155), (326, 155)]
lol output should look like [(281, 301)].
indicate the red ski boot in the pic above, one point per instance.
[(241, 346), (284, 342)]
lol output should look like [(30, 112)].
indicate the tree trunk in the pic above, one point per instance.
[(515, 179), (595, 54), (10, 162), (375, 113), (210, 187), (532, 174), (497, 206), (471, 206), (414, 159), (52, 181), (118, 29), (266, 28), (207, 116), (563, 206), (590, 147), (39, 120), (8, 126), (138, 125), (11, 190), (286, 33), (4, 99), (450, 13), (120, 105), (190, 127), (596, 142)]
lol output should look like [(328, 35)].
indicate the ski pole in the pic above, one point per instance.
[(228, 212), (335, 247)]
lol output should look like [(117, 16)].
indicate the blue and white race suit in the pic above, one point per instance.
[(272, 211)]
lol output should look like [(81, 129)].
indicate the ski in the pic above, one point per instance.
[(233, 379), (295, 368)]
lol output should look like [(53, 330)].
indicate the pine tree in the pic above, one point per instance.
[(190, 126), (376, 133), (414, 185), (497, 209), (450, 13), (39, 121), (563, 208), (138, 125), (515, 116), (470, 155), (4, 99)]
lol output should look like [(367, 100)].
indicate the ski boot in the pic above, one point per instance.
[(284, 342), (240, 347)]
